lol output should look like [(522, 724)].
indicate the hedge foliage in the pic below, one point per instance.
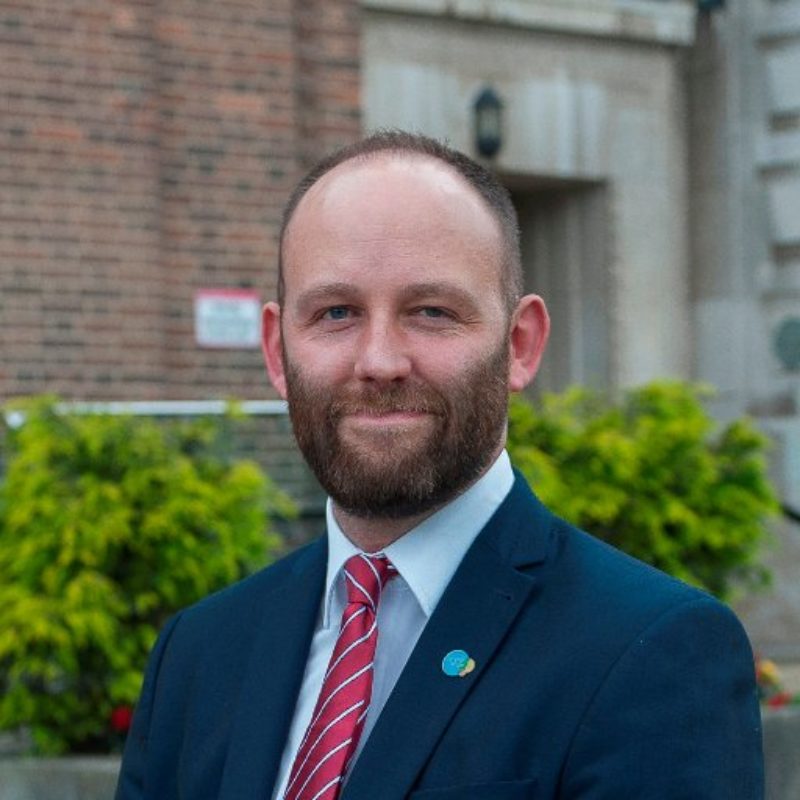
[(107, 526), (110, 524), (654, 476)]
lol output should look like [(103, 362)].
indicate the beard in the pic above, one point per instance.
[(393, 474)]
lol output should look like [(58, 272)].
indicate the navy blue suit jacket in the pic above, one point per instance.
[(597, 678)]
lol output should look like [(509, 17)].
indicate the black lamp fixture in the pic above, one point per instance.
[(488, 111), (786, 343), (707, 6)]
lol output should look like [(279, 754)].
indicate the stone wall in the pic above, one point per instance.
[(594, 147), (744, 145), (745, 190)]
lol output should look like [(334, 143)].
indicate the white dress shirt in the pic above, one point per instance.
[(426, 558)]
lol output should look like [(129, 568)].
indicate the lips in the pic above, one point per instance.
[(373, 413), (398, 416), (387, 419), (382, 407)]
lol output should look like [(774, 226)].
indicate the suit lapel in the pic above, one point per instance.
[(475, 613), (272, 680)]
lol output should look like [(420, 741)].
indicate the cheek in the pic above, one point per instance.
[(447, 362), (441, 366), (322, 364)]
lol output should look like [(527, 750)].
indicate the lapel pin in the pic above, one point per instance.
[(457, 663)]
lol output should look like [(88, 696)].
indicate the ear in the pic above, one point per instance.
[(271, 346), (530, 327)]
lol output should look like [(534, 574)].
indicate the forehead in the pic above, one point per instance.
[(363, 181), (390, 203)]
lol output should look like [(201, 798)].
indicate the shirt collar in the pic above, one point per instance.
[(428, 555)]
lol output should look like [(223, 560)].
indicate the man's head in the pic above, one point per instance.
[(483, 182), (400, 329)]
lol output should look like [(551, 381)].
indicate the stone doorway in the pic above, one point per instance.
[(566, 252)]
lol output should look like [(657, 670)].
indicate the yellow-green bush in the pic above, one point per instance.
[(654, 476), (107, 526)]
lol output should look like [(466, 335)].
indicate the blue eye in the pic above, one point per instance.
[(432, 312), (337, 313)]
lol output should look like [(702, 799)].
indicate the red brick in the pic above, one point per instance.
[(130, 181)]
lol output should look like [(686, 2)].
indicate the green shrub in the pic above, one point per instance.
[(653, 476), (107, 526)]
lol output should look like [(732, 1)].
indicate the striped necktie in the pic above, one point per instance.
[(338, 719)]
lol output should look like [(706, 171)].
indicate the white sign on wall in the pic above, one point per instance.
[(227, 318)]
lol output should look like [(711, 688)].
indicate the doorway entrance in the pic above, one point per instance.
[(566, 253)]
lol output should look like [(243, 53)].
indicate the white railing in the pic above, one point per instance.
[(160, 408)]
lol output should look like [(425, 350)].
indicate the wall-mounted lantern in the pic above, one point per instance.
[(488, 111), (707, 6), (787, 343)]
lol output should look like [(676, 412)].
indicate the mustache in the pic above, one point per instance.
[(386, 400)]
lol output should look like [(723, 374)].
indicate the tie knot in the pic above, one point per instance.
[(365, 576)]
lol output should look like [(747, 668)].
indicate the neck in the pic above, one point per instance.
[(373, 534)]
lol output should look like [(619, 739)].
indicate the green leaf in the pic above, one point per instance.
[(108, 525), (652, 474)]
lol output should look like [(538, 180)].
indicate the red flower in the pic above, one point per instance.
[(121, 718), (780, 700)]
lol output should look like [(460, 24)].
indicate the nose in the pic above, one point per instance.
[(382, 355)]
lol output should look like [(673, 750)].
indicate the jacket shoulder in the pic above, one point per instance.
[(246, 598)]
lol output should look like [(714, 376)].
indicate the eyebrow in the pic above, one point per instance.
[(324, 292), (414, 292), (422, 291)]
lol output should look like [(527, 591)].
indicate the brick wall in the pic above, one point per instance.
[(146, 149)]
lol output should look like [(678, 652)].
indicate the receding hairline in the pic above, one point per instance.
[(400, 145), (365, 159)]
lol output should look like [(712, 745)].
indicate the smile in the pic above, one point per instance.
[(387, 418)]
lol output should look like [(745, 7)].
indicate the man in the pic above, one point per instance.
[(449, 638)]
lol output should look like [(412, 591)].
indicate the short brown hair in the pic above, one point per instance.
[(485, 183)]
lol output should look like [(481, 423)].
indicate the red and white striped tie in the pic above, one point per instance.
[(338, 719)]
